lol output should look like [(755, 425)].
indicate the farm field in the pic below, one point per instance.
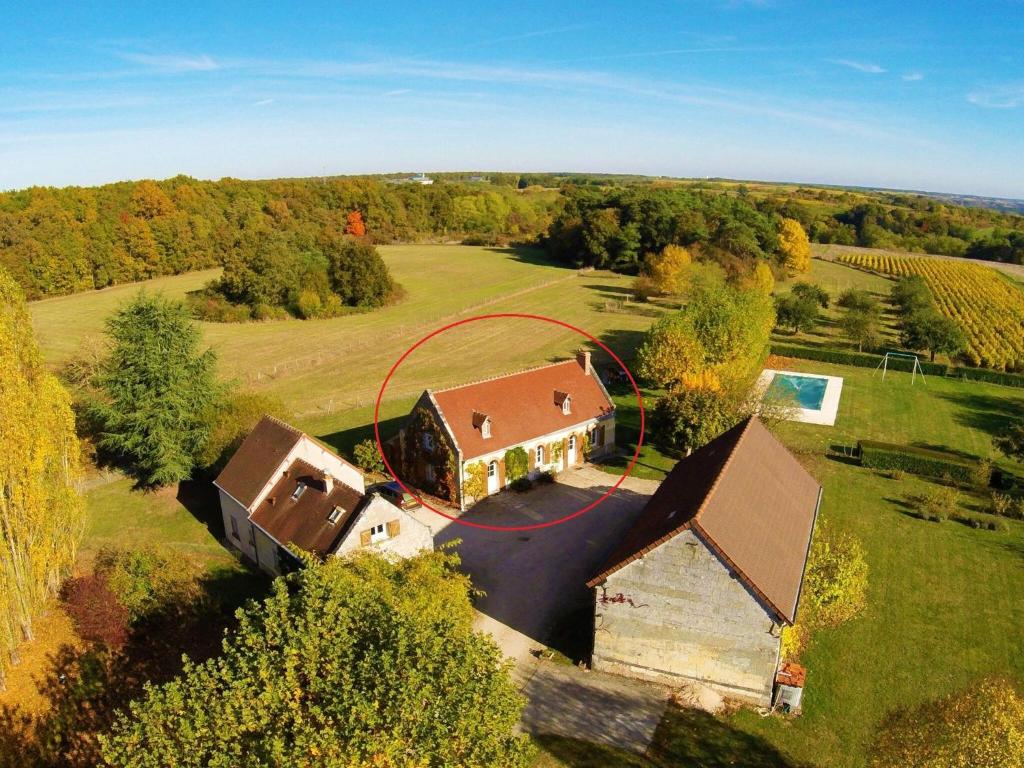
[(988, 308), (333, 365), (832, 252)]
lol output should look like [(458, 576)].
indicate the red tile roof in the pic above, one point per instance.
[(521, 406), (749, 500), (256, 459), (303, 521)]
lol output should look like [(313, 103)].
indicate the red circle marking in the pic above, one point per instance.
[(553, 321)]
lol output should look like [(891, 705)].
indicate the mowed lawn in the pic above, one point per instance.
[(946, 603)]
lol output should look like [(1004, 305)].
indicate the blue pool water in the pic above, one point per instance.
[(808, 391)]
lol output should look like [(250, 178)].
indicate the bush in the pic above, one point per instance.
[(214, 308), (367, 457), (937, 504), (981, 521), (145, 581), (521, 485), (918, 461), (643, 288), (230, 423), (98, 616), (1001, 505), (896, 474), (546, 477)]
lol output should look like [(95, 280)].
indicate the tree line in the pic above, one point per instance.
[(60, 241)]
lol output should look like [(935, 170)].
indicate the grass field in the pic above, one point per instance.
[(945, 600), (319, 367)]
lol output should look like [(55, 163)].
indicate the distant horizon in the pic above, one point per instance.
[(875, 95), (561, 172)]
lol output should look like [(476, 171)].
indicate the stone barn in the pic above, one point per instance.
[(703, 583)]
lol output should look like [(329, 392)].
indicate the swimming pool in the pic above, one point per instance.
[(807, 391), (810, 398)]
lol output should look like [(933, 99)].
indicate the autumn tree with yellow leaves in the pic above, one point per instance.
[(794, 245), (667, 269), (41, 512)]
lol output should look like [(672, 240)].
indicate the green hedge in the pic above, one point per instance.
[(868, 360), (918, 461)]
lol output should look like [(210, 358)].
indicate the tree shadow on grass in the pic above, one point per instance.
[(981, 411), (201, 499), (85, 688), (692, 737), (530, 255), (345, 441)]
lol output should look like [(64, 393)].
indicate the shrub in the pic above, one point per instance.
[(521, 484), (1001, 504), (643, 288), (546, 477), (98, 615), (367, 457), (813, 292), (918, 461), (145, 581), (935, 505), (981, 474), (981, 726), (981, 521), (896, 474), (230, 422)]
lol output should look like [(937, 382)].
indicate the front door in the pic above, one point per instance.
[(571, 453), (492, 477)]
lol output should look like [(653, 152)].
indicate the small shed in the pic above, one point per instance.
[(789, 687)]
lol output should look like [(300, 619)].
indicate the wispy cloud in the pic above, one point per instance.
[(912, 77), (1006, 96), (173, 63), (861, 66), (396, 92), (263, 102)]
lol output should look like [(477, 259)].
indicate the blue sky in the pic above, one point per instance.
[(919, 95)]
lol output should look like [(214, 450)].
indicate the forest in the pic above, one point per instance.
[(61, 241)]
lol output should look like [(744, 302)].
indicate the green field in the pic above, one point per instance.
[(945, 601)]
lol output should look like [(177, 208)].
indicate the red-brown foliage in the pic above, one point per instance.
[(355, 225), (96, 612)]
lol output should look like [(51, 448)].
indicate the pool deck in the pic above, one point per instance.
[(826, 415)]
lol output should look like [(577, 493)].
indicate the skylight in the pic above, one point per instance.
[(335, 515), (299, 490)]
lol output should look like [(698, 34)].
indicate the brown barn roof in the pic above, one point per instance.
[(257, 458), (749, 500), (521, 406), (303, 521)]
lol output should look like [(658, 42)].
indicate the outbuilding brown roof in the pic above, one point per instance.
[(256, 459), (521, 406), (304, 521), (749, 500)]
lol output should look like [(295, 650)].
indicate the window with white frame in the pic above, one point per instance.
[(540, 455), (378, 533), (428, 441), (485, 428), (572, 442), (567, 405), (299, 490), (234, 528), (492, 469)]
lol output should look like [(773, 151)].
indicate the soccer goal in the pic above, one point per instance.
[(915, 368)]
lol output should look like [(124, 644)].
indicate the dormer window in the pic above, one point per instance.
[(335, 515), (299, 490), (564, 401), (482, 422)]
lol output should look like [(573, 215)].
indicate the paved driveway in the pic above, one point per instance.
[(534, 579)]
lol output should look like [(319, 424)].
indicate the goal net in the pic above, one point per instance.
[(900, 358)]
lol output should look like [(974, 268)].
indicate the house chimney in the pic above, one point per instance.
[(583, 358), (328, 483)]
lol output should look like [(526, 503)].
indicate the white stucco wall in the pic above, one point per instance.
[(680, 613), (413, 535)]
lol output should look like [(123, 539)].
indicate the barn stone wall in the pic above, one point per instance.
[(679, 613)]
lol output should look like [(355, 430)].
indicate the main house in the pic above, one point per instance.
[(703, 583), (283, 488), (467, 442)]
